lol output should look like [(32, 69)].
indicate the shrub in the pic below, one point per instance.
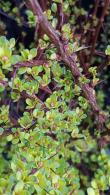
[(52, 130)]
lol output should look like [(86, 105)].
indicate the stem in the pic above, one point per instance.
[(92, 22), (96, 8), (31, 63), (60, 16), (96, 33), (43, 4)]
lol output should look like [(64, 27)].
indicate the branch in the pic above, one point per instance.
[(60, 16), (90, 33), (31, 63), (43, 4), (70, 61), (96, 8), (50, 31), (96, 33)]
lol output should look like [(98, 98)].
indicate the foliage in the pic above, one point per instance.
[(51, 140)]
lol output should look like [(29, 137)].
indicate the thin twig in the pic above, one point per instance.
[(43, 4), (31, 63), (96, 33), (90, 33), (96, 8), (60, 16)]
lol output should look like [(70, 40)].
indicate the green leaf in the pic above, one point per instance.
[(53, 56), (15, 96), (22, 70), (107, 51), (26, 120), (33, 52), (9, 138), (2, 52), (19, 186), (1, 130), (36, 70), (58, 1), (94, 184), (56, 69), (15, 59), (12, 43), (90, 191), (3, 41), (25, 54), (1, 88), (54, 7)]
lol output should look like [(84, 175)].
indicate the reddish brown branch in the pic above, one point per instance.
[(89, 36), (95, 8), (82, 58), (70, 61), (49, 30), (90, 33), (97, 31), (43, 4), (31, 63), (60, 16), (100, 53)]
